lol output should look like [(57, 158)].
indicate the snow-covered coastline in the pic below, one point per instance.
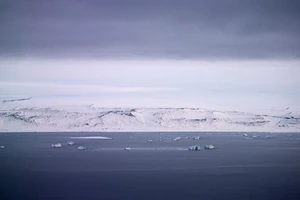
[(17, 116)]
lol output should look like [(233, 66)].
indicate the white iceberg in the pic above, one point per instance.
[(251, 137), (255, 136), (209, 147), (194, 148), (58, 145), (197, 138), (149, 140), (81, 148), (2, 147), (70, 143), (269, 136), (127, 148), (176, 138)]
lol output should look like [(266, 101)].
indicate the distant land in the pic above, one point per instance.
[(18, 115)]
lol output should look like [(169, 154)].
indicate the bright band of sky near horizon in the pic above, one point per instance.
[(226, 54)]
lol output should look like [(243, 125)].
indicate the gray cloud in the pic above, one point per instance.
[(158, 29)]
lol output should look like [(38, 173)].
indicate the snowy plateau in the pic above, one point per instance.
[(19, 115)]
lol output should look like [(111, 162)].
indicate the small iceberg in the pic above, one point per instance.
[(194, 148), (149, 140), (2, 147), (81, 148), (58, 145), (254, 136), (245, 135), (176, 138), (251, 137), (127, 148), (197, 138), (209, 147), (70, 143), (269, 137)]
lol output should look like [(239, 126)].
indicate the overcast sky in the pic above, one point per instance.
[(152, 52), (197, 29)]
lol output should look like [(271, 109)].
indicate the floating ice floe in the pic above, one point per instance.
[(2, 147), (93, 137), (254, 136), (197, 138), (81, 148), (245, 135), (149, 140), (269, 136), (127, 148), (194, 148), (70, 143), (58, 145), (248, 137), (209, 147), (176, 138)]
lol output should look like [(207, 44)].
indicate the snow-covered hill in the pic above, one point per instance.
[(18, 116)]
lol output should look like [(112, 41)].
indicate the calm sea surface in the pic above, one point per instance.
[(263, 168)]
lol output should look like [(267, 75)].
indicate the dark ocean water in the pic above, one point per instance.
[(236, 169)]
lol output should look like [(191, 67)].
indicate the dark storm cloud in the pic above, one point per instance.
[(197, 29)]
